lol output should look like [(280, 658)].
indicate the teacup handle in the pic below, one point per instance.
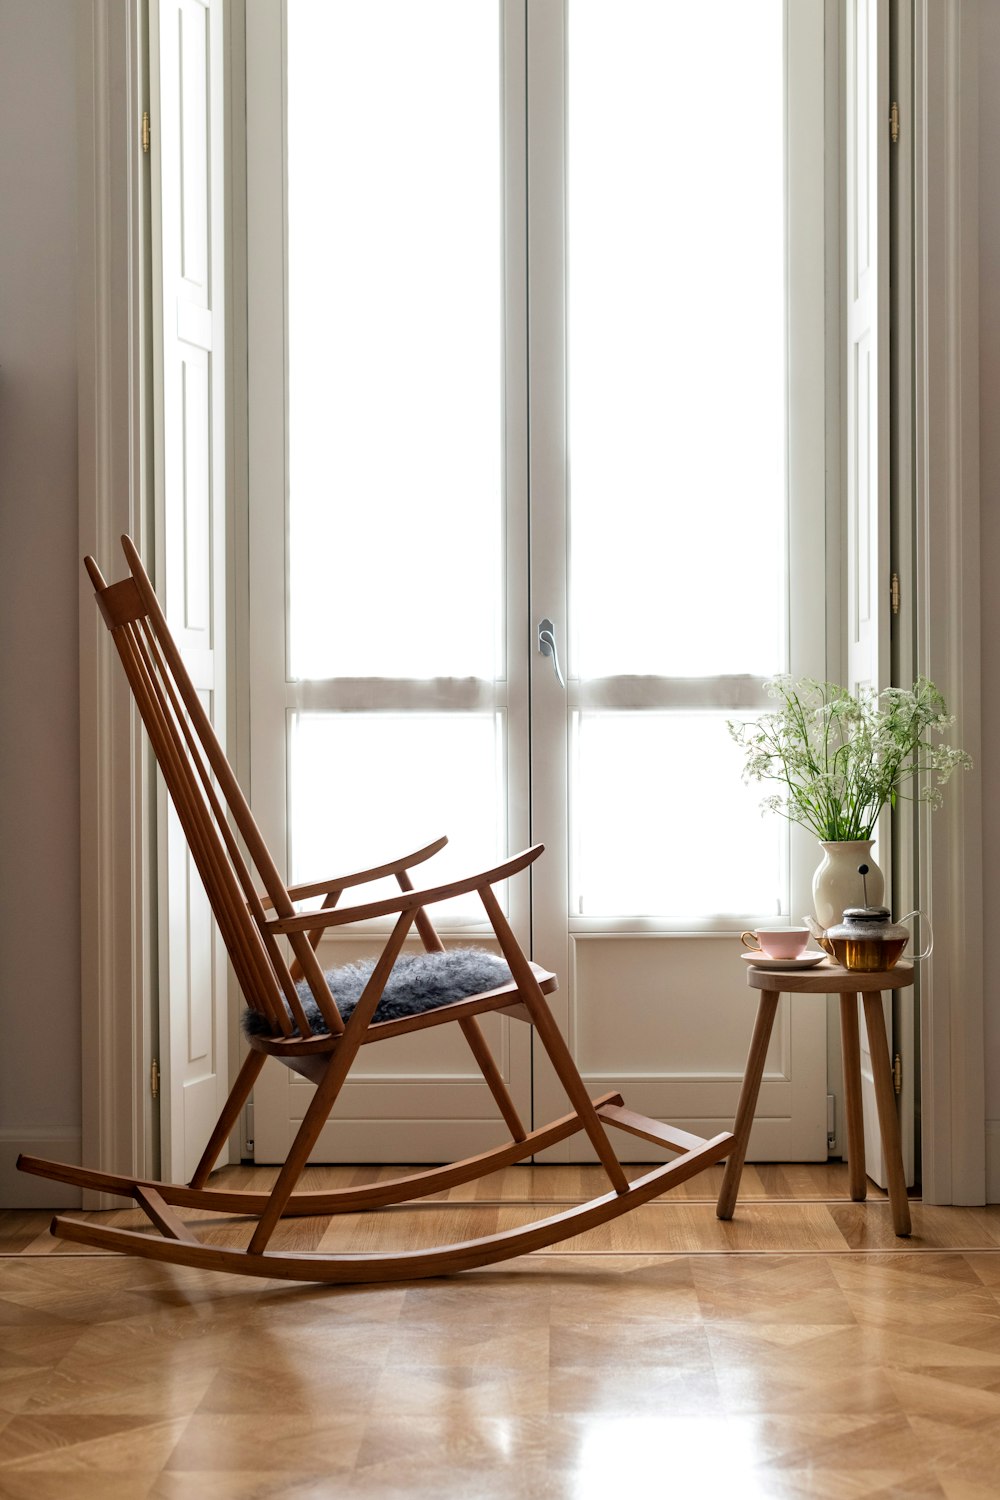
[(930, 934), (752, 941)]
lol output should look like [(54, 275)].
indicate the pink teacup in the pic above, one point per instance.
[(776, 942)]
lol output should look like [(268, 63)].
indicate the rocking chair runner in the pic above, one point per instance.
[(253, 923)]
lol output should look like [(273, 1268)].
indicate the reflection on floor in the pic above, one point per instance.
[(800, 1351)]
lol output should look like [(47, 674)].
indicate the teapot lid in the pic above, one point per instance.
[(874, 922)]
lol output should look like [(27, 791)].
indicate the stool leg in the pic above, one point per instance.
[(885, 1098), (853, 1106), (766, 1008)]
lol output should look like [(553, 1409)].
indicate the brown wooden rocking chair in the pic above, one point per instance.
[(296, 1018)]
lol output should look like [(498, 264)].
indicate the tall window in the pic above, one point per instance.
[(504, 402), (537, 322)]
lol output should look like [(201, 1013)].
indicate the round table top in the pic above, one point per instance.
[(828, 978)]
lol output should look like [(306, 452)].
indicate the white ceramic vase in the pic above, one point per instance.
[(837, 884)]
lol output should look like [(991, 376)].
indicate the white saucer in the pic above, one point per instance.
[(804, 961)]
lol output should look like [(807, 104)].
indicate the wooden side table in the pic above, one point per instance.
[(828, 978)]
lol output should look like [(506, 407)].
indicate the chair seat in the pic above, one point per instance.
[(419, 982)]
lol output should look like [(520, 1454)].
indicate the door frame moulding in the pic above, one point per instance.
[(117, 835), (947, 583)]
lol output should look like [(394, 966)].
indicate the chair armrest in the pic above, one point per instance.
[(339, 916), (360, 877)]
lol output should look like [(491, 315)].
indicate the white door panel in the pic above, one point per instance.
[(187, 136)]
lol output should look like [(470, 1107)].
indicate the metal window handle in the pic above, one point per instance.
[(547, 646)]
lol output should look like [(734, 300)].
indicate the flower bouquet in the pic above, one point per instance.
[(839, 758)]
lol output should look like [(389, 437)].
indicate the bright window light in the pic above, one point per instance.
[(402, 779), (394, 338), (663, 824), (676, 337)]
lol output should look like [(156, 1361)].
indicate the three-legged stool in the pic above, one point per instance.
[(829, 978)]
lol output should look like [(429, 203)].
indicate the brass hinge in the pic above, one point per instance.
[(154, 1078), (894, 593), (894, 123), (145, 132), (897, 1074)]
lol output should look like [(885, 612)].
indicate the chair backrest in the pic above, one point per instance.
[(210, 805)]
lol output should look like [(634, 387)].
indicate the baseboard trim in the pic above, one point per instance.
[(993, 1161), (17, 1189)]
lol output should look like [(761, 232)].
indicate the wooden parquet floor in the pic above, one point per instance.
[(800, 1351)]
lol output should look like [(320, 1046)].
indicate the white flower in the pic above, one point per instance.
[(840, 758)]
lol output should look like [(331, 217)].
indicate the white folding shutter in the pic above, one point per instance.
[(867, 469), (188, 222)]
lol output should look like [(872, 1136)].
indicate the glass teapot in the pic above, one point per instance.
[(868, 941)]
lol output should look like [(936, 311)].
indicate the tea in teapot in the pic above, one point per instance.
[(867, 941)]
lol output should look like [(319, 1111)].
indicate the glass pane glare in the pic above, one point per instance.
[(394, 330), (664, 825), (366, 788), (676, 337)]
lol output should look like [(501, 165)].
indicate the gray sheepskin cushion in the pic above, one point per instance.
[(418, 982)]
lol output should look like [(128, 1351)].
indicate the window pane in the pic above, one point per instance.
[(676, 337), (664, 825), (366, 788), (394, 328)]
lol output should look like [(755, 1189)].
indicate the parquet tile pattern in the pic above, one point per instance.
[(800, 1351)]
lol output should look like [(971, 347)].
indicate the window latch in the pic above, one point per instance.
[(547, 646)]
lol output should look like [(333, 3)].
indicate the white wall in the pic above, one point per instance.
[(39, 744), (989, 427), (39, 555)]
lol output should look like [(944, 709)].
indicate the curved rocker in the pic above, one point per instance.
[(296, 1019), (403, 1265), (318, 1203)]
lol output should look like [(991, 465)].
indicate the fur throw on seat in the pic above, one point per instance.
[(418, 982)]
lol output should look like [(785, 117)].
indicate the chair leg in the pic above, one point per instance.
[(305, 1139), (471, 1028), (552, 1040), (332, 1081), (238, 1096), (561, 1059), (473, 1033)]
